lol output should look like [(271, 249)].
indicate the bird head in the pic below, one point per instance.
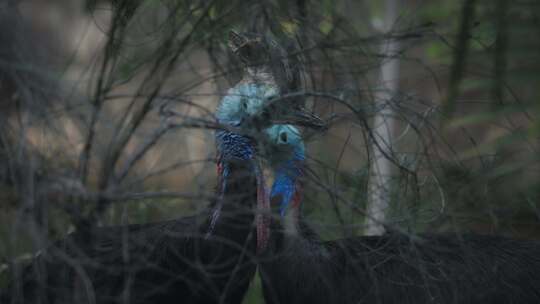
[(244, 103), (274, 68), (286, 155)]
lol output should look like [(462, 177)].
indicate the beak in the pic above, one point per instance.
[(262, 220), (301, 117), (281, 113)]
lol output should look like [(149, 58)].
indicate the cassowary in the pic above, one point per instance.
[(205, 258), (298, 267)]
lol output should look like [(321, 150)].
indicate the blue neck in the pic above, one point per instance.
[(232, 146), (286, 177)]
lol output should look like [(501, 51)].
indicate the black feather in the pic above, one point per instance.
[(167, 262), (396, 268)]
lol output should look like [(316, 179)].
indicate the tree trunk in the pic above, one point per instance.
[(381, 167)]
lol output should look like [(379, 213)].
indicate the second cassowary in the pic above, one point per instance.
[(298, 267)]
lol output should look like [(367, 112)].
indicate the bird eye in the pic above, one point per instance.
[(283, 137), (244, 104)]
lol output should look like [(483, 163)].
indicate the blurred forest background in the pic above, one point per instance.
[(432, 109)]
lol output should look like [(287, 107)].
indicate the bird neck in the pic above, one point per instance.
[(239, 186), (291, 218), (232, 212), (237, 183), (287, 192), (236, 170)]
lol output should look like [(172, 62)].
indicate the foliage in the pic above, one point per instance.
[(124, 134)]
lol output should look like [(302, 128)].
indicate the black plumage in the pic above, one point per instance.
[(174, 261), (299, 267), (395, 268)]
